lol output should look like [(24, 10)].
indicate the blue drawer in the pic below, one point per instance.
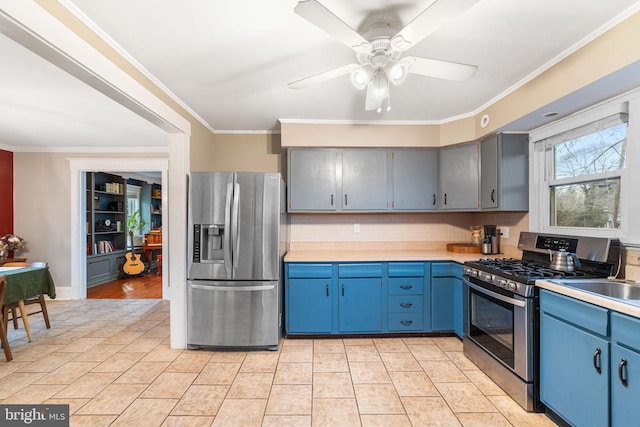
[(442, 269), (406, 304), (406, 285), (406, 269), (581, 314), (457, 270), (406, 321), (626, 330), (360, 270), (313, 271)]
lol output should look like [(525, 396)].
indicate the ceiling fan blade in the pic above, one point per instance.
[(441, 69), (322, 77), (428, 21), (323, 18)]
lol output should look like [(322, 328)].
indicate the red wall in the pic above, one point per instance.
[(6, 192)]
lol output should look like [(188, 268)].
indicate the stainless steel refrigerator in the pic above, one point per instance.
[(237, 238)]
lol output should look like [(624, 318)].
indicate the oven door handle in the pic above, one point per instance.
[(496, 295)]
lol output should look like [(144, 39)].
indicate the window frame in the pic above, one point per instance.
[(541, 172)]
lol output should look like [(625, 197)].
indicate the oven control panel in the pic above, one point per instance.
[(555, 243)]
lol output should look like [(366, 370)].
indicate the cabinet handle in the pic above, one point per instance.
[(596, 360), (327, 289), (346, 202), (406, 322), (493, 195), (445, 198), (406, 304), (343, 289), (406, 287), (434, 199), (622, 372), (332, 200)]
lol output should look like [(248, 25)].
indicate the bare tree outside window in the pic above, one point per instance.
[(586, 179)]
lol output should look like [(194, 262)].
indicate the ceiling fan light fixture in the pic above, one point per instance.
[(360, 78), (380, 85)]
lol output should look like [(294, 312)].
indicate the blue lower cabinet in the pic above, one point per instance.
[(360, 305), (575, 359), (446, 297), (349, 298), (625, 370), (309, 306), (442, 304)]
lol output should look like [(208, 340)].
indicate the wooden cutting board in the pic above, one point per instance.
[(465, 248)]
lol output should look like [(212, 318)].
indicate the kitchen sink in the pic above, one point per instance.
[(607, 288)]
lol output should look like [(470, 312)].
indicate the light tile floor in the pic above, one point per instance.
[(110, 360)]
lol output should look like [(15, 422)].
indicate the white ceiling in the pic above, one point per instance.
[(229, 62)]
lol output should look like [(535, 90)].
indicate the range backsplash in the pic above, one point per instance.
[(403, 227)]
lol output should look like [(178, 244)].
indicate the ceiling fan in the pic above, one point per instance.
[(379, 50)]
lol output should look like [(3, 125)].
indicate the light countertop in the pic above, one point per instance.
[(355, 255), (602, 301)]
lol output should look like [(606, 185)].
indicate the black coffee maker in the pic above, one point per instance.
[(491, 243)]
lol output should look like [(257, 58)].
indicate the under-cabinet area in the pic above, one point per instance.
[(488, 175), (372, 297)]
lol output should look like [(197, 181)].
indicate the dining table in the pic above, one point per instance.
[(24, 283)]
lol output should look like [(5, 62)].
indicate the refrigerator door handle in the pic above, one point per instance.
[(227, 236), (233, 288), (235, 224)]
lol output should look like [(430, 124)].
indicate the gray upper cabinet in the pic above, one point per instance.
[(364, 180), (312, 180), (504, 183), (460, 177), (415, 179)]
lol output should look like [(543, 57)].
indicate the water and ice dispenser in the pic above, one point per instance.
[(208, 243)]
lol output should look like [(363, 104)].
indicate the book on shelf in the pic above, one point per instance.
[(104, 246)]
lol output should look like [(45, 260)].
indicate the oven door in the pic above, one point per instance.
[(501, 325)]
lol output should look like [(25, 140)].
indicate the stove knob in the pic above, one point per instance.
[(511, 286), (501, 283)]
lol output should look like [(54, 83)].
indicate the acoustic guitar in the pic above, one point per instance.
[(133, 265)]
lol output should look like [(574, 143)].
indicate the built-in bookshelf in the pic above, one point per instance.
[(106, 220), (156, 206)]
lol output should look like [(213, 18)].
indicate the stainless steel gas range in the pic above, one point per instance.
[(501, 311)]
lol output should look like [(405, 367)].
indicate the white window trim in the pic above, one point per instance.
[(539, 193)]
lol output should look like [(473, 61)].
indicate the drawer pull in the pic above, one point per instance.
[(622, 372), (597, 363), (406, 322), (327, 288), (406, 305), (406, 287)]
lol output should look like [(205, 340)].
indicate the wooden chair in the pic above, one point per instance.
[(3, 330), (39, 299)]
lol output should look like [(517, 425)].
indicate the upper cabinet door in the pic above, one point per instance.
[(489, 176), (460, 177), (415, 180), (504, 174), (364, 180), (312, 183)]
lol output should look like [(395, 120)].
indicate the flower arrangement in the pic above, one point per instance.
[(11, 242)]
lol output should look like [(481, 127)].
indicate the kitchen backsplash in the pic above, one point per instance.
[(419, 227)]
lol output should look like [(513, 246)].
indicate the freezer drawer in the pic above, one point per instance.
[(234, 314)]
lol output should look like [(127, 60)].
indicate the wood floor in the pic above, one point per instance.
[(147, 286)]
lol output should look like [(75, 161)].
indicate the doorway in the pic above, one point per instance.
[(131, 265), (79, 169)]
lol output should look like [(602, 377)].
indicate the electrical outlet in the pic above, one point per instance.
[(505, 232), (356, 228)]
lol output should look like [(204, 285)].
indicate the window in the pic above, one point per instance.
[(585, 174), (133, 199), (585, 171)]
